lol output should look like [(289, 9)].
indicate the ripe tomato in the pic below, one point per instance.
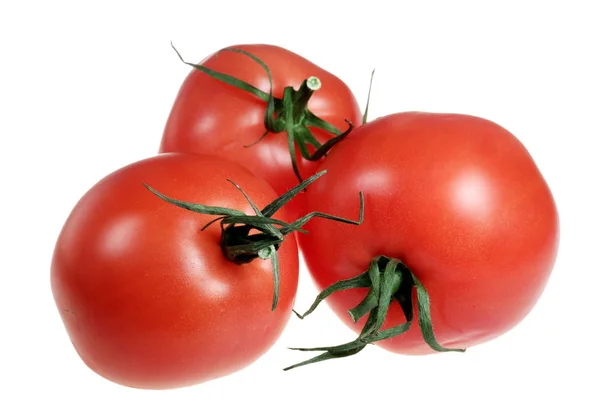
[(210, 116), (460, 202), (147, 298)]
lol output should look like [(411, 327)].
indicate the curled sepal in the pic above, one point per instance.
[(322, 150), (245, 238), (425, 319), (228, 79), (360, 281), (366, 113), (333, 352), (388, 281)]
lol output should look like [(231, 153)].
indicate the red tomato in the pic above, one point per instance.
[(149, 300), (460, 201), (210, 116)]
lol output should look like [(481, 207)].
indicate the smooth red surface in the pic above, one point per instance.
[(459, 200), (209, 116), (148, 299)]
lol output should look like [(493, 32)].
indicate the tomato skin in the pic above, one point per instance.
[(209, 116), (460, 201), (149, 300)]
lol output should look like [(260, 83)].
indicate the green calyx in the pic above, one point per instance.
[(288, 114), (245, 238), (388, 281)]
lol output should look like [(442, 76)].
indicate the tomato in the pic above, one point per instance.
[(210, 116), (147, 298), (460, 202)]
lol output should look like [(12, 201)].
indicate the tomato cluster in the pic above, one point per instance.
[(424, 232)]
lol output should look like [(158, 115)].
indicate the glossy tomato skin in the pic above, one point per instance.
[(209, 116), (148, 300), (460, 201)]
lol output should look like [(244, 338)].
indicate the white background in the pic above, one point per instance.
[(85, 88)]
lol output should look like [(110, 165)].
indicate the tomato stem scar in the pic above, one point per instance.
[(313, 83)]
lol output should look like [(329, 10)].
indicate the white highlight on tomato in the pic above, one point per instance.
[(471, 194), (121, 235)]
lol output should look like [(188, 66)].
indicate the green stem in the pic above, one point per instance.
[(238, 242), (388, 280), (304, 93)]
